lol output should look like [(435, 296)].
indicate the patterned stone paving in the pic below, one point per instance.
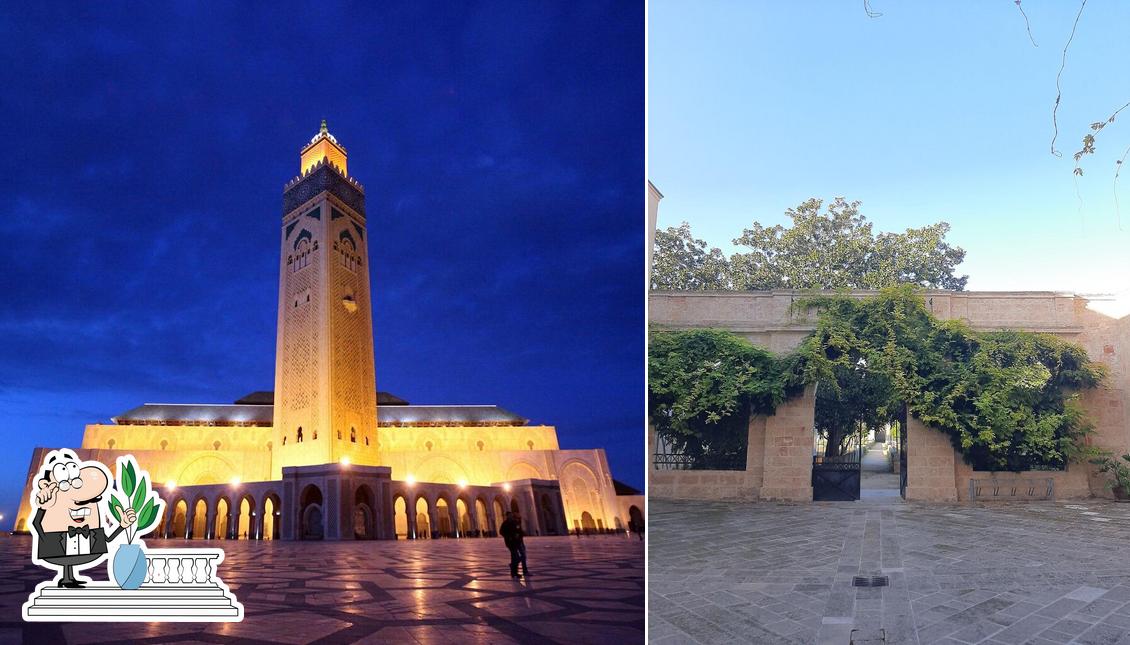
[(1004, 574), (582, 590)]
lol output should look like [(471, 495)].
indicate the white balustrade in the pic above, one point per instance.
[(180, 567)]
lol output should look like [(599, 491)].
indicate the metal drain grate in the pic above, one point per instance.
[(870, 581)]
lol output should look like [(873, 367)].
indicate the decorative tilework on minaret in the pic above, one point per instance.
[(325, 400)]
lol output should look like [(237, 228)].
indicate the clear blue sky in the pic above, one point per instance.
[(934, 111)]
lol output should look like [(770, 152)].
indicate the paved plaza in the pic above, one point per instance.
[(1039, 573), (582, 590)]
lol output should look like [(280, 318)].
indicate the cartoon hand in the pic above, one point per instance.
[(46, 494), (129, 516)]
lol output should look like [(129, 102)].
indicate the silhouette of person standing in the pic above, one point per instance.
[(512, 534)]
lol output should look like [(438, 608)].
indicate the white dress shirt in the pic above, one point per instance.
[(78, 544)]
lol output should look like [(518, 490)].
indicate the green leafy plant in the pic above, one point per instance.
[(1007, 399), (138, 496), (704, 384), (1119, 468)]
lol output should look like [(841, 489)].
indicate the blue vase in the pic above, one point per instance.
[(129, 566)]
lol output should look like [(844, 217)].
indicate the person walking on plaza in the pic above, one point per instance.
[(512, 533)]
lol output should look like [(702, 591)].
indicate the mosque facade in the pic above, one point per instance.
[(325, 455)]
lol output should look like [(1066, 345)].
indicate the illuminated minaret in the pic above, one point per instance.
[(325, 392)]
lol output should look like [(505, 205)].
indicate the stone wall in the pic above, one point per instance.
[(779, 458)]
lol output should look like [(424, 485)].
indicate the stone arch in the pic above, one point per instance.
[(400, 512), (245, 515), (443, 515), (311, 519), (500, 507), (221, 523), (364, 513), (423, 522), (523, 470), (580, 491), (270, 526), (199, 528), (178, 523), (587, 522), (463, 521), (482, 518), (441, 470), (206, 469)]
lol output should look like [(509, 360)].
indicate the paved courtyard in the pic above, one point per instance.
[(582, 590), (1039, 573)]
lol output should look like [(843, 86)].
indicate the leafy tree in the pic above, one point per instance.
[(683, 263), (860, 398), (1006, 398), (830, 249), (836, 249), (704, 384)]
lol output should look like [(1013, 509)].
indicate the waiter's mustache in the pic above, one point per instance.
[(89, 501)]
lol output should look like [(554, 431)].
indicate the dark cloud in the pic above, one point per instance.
[(501, 147)]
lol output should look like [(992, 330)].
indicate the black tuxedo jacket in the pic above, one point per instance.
[(53, 544)]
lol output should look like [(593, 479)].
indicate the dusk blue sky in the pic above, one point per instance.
[(933, 111), (501, 149)]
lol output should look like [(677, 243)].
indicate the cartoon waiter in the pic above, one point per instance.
[(68, 525)]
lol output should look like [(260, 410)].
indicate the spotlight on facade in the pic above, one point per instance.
[(172, 485), (345, 461), (235, 481), (506, 487), (462, 483), (410, 480)]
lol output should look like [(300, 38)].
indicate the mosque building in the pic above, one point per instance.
[(327, 456)]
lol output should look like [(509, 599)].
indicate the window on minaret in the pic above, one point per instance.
[(315, 437), (339, 435), (353, 435), (298, 438), (284, 439)]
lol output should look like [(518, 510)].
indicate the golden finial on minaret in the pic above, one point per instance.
[(323, 146)]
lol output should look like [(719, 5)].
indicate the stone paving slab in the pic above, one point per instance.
[(582, 590), (1020, 573)]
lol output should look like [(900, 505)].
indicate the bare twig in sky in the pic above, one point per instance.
[(1027, 25), (1058, 90)]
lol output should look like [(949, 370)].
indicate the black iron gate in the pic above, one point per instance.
[(836, 479)]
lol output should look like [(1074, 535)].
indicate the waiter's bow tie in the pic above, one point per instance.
[(72, 531)]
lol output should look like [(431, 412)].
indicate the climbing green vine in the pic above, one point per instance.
[(1007, 399)]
